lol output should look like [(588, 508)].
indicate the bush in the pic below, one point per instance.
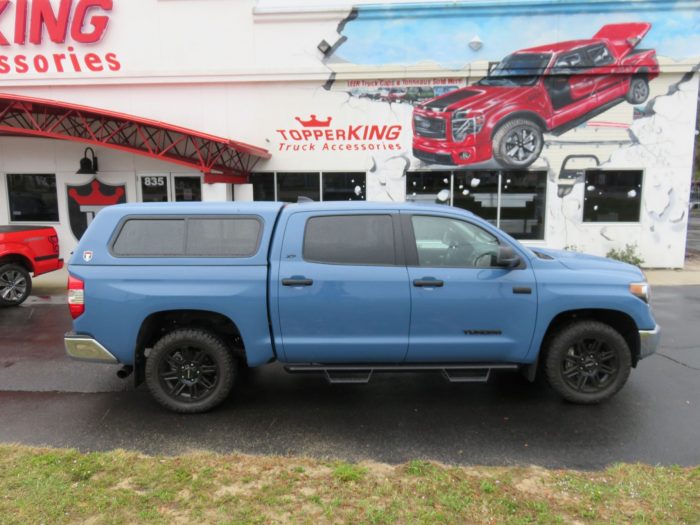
[(628, 254)]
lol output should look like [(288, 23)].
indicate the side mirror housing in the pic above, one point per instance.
[(507, 258)]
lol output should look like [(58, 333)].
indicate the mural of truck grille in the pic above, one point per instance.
[(433, 128)]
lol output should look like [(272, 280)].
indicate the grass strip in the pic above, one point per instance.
[(65, 486)]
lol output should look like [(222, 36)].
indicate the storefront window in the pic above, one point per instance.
[(188, 189), (32, 198), (291, 186), (428, 186), (522, 199), (612, 196), (263, 186), (477, 191), (344, 186), (154, 188)]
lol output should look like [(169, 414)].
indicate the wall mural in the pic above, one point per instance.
[(85, 200), (562, 91)]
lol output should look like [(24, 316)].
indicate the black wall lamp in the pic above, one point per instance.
[(88, 166)]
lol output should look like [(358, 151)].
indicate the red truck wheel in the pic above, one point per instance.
[(638, 93), (15, 285), (517, 143)]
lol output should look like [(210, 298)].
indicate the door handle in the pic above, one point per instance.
[(428, 283), (297, 282), (524, 290)]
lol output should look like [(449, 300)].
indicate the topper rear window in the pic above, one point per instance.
[(188, 237)]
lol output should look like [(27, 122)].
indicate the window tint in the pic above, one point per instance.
[(350, 239), (612, 196), (206, 237), (600, 55), (441, 241), (151, 237), (33, 198), (223, 237)]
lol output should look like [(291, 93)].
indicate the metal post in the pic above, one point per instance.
[(498, 200)]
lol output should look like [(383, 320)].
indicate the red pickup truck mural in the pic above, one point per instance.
[(545, 89), (25, 249)]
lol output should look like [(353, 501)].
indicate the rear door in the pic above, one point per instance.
[(463, 308), (342, 288)]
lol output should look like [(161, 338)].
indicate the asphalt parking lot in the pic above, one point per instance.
[(46, 399)]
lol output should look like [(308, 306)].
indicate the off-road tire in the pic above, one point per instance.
[(190, 340), (638, 92), (559, 361), (12, 273), (517, 143)]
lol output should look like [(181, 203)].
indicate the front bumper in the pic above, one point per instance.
[(85, 348), (649, 341)]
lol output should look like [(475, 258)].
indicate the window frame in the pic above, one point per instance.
[(122, 222), (8, 202), (399, 250)]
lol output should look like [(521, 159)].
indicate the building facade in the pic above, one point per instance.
[(566, 123)]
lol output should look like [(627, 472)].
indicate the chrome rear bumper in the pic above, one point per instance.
[(85, 348), (649, 341)]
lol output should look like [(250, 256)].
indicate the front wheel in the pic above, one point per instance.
[(15, 285), (517, 143), (587, 362), (190, 371)]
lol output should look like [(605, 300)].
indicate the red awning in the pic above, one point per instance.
[(220, 159)]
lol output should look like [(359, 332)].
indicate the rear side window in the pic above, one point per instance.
[(150, 237), (223, 237), (189, 237), (350, 239)]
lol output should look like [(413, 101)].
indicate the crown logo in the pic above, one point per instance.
[(313, 122), (96, 197)]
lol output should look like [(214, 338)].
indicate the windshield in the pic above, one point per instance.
[(521, 69)]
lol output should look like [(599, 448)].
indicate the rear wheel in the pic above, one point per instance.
[(15, 284), (190, 371), (517, 143), (587, 362), (638, 92)]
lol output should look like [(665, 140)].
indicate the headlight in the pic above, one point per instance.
[(463, 125), (641, 290)]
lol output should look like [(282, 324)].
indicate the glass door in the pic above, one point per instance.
[(170, 188), (154, 188)]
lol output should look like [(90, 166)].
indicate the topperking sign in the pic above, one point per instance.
[(26, 24)]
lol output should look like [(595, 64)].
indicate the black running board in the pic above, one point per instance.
[(362, 374)]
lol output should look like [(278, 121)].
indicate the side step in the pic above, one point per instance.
[(361, 374)]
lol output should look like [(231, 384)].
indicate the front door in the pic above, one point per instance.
[(342, 289), (463, 307), (170, 188)]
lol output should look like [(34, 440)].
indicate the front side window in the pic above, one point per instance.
[(600, 55), (350, 239), (33, 198), (519, 69), (612, 196), (445, 242)]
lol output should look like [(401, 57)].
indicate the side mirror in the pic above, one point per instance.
[(507, 258)]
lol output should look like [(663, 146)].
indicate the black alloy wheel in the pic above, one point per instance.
[(589, 366), (587, 361), (15, 285), (190, 371)]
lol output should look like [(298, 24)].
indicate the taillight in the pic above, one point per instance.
[(53, 239), (76, 297)]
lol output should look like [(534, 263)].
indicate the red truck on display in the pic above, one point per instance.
[(546, 89), (25, 250)]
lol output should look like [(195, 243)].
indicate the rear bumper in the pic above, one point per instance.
[(85, 348), (649, 341)]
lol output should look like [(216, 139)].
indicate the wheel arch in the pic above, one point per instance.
[(524, 114), (617, 320), (158, 324), (17, 258)]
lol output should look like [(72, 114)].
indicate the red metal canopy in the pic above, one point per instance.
[(220, 159)]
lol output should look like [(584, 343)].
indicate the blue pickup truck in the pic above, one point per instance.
[(184, 295)]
